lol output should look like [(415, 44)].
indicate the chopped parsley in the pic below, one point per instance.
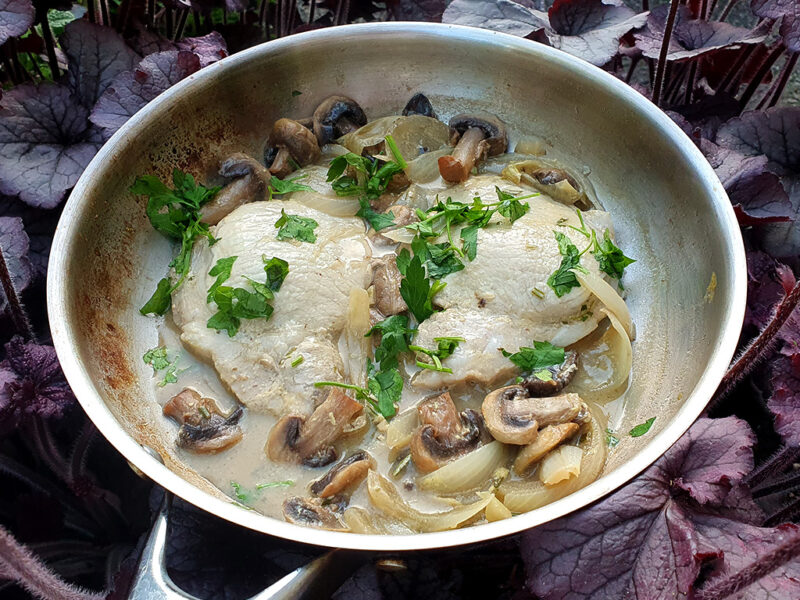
[(642, 428), (536, 360), (445, 348), (175, 213), (369, 180), (294, 227), (245, 496), (563, 279), (380, 396), (417, 290), (297, 361), (275, 484), (395, 337), (610, 258), (158, 359), (286, 186), (236, 303), (611, 439), (222, 271)]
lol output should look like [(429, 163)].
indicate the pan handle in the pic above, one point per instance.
[(317, 579)]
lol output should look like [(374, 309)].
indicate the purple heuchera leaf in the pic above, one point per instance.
[(789, 13), (209, 48), (15, 244), (95, 55), (589, 29), (45, 143), (768, 281), (16, 16), (652, 538), (40, 225), (692, 38), (131, 90), (31, 384), (784, 402), (423, 10)]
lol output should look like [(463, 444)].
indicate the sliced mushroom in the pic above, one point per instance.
[(514, 418), (203, 429), (560, 376), (549, 437), (386, 280), (346, 475), (480, 136), (309, 440), (290, 145), (314, 512), (445, 434), (548, 179), (419, 105), (336, 116), (249, 185)]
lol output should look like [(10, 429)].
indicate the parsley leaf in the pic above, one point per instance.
[(158, 359), (541, 356), (469, 237), (276, 269), (402, 260), (222, 271), (642, 428), (376, 220), (294, 227), (417, 290), (563, 279), (445, 348), (610, 258), (395, 337), (161, 299), (386, 387), (511, 207), (287, 186)]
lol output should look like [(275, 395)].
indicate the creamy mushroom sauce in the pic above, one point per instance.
[(242, 469)]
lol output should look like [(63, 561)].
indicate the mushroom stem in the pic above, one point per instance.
[(282, 165), (456, 167)]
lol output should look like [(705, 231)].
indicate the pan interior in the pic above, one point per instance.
[(668, 211)]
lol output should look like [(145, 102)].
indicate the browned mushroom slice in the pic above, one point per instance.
[(386, 280), (480, 136), (250, 181), (290, 145), (554, 380), (336, 116), (310, 440), (549, 437), (514, 418), (202, 428), (346, 475), (419, 105), (445, 434), (311, 512)]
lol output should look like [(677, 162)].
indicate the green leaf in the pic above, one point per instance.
[(376, 220), (58, 20), (222, 271), (224, 321), (542, 355), (610, 258), (415, 288), (398, 158), (469, 237), (395, 337), (445, 346), (276, 269), (287, 186), (275, 484), (563, 279), (511, 207), (156, 358), (402, 260), (160, 301), (387, 387), (442, 260), (642, 428), (294, 227)]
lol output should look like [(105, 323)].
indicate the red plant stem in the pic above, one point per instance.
[(737, 70), (687, 99), (662, 56), (77, 461), (786, 73), (8, 69), (645, 5), (49, 43), (727, 10), (263, 17), (313, 8), (634, 61), (105, 12), (47, 449), (122, 15), (789, 512), (759, 349), (703, 14), (19, 317), (184, 14), (35, 64), (170, 25), (762, 72), (785, 551), (151, 13), (292, 15), (775, 464), (19, 564), (92, 10), (785, 483)]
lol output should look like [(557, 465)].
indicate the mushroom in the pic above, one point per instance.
[(513, 417), (560, 376), (549, 437), (445, 434), (419, 105), (314, 512), (203, 429), (386, 280), (336, 116), (249, 185), (480, 136), (347, 474), (309, 440), (290, 144)]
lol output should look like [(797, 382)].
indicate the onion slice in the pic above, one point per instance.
[(609, 297), (401, 429), (471, 471), (353, 343), (560, 464)]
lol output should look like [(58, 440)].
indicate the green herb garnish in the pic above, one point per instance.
[(275, 484), (175, 213), (533, 360), (158, 359), (611, 439), (445, 348), (294, 227), (222, 271), (286, 186), (563, 279), (610, 258), (417, 290), (395, 337), (297, 361), (642, 428)]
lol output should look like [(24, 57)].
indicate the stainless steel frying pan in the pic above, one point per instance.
[(669, 209)]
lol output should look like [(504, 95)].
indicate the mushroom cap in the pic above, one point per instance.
[(335, 116), (493, 128), (213, 435), (505, 421), (561, 375), (282, 439), (345, 475), (311, 513), (298, 140), (419, 105), (250, 181)]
